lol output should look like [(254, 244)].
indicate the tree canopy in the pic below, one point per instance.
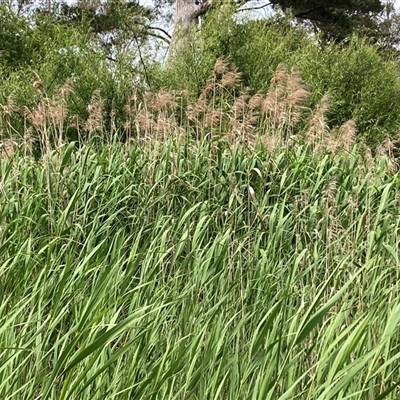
[(336, 19)]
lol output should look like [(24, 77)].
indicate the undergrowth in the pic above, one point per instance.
[(283, 115), (199, 269)]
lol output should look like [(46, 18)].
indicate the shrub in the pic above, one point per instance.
[(361, 80)]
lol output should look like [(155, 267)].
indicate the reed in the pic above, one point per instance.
[(198, 269), (233, 247)]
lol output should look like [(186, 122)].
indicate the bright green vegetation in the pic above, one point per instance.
[(210, 228), (198, 271)]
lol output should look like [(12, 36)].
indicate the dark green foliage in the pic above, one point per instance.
[(363, 84), (114, 23), (105, 18), (105, 49), (16, 47), (335, 19)]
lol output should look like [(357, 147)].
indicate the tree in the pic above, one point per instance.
[(336, 20), (115, 24), (187, 14), (389, 26)]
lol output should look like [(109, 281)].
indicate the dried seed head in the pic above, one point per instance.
[(230, 79), (144, 120), (271, 142), (221, 66), (240, 104), (166, 126), (182, 94), (293, 82), (317, 125), (330, 191), (28, 139), (387, 146), (213, 118), (38, 116), (8, 109), (163, 100), (27, 113), (148, 97), (67, 88), (37, 83), (242, 132), (386, 149), (256, 101), (74, 124), (274, 100), (8, 148), (298, 97), (193, 111), (280, 76), (94, 123), (56, 112), (133, 98), (274, 107), (347, 135), (292, 118)]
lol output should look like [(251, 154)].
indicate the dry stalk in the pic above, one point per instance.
[(283, 105), (144, 122), (347, 136), (95, 120), (37, 83), (8, 148), (221, 66), (213, 118), (231, 78), (271, 142), (47, 117), (317, 125), (256, 101), (8, 109), (163, 100), (165, 126)]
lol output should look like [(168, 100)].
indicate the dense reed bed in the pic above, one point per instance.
[(198, 269)]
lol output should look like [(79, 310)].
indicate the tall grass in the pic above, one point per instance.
[(224, 108), (197, 269)]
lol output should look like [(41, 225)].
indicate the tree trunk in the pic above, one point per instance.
[(187, 13)]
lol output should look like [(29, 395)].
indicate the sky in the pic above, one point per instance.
[(396, 4)]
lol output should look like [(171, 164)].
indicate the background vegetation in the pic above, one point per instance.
[(360, 78)]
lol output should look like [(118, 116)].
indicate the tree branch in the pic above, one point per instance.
[(168, 41), (255, 8), (143, 63), (156, 28), (159, 29)]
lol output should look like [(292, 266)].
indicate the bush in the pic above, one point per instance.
[(361, 80), (55, 54)]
